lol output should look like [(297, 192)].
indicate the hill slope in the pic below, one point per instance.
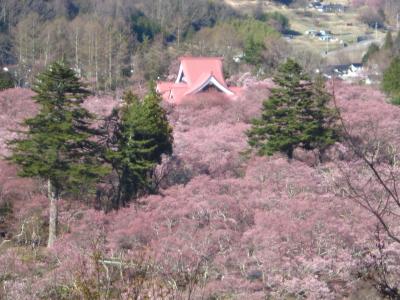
[(224, 226)]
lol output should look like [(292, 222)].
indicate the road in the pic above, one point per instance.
[(353, 52)]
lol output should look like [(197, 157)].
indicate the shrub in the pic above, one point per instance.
[(5, 215), (205, 100), (6, 80), (276, 19)]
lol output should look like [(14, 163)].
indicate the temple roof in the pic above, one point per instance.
[(195, 74), (195, 67)]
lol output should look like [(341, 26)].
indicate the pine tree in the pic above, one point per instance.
[(391, 80), (295, 115), (396, 44), (57, 145), (388, 44), (372, 50), (140, 137), (253, 51)]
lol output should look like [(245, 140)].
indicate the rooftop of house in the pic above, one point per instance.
[(193, 68), (194, 76)]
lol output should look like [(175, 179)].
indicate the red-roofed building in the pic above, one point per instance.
[(196, 74)]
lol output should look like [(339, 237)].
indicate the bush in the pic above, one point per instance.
[(6, 80), (277, 20), (205, 100), (5, 215), (395, 101)]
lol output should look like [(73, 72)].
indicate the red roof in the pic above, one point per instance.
[(195, 73), (196, 67)]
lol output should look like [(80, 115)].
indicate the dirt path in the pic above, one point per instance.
[(240, 3)]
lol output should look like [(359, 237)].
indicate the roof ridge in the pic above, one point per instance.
[(201, 57)]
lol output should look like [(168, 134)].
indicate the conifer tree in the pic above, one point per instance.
[(388, 44), (372, 50), (295, 115), (396, 44), (57, 145), (391, 80), (141, 135), (253, 51)]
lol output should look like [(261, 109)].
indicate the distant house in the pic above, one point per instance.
[(344, 72), (326, 38), (323, 35), (332, 8), (313, 32), (315, 4), (196, 74)]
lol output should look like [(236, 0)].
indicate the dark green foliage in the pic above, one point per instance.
[(5, 209), (396, 44), (6, 80), (143, 27), (57, 144), (295, 115), (276, 19), (372, 49), (395, 100), (7, 54), (141, 135), (253, 33), (253, 52), (253, 29), (391, 79), (388, 44)]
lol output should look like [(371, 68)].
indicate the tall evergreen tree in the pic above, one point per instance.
[(295, 115), (396, 44), (253, 51), (57, 145), (391, 80), (388, 44), (372, 50), (141, 135)]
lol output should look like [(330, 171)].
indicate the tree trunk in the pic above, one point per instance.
[(47, 49), (52, 194), (76, 52), (110, 60), (96, 62), (289, 152)]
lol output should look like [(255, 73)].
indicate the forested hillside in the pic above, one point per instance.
[(114, 44), (111, 42), (279, 181)]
